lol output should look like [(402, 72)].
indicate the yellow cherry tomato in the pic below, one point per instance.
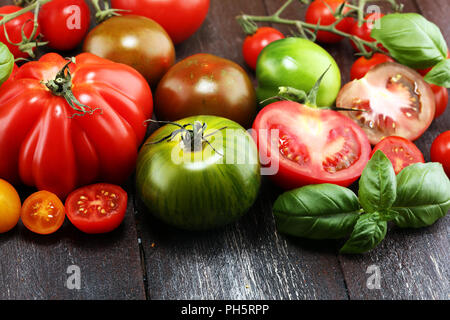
[(10, 206)]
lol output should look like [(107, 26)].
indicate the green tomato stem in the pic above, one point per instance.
[(10, 16)]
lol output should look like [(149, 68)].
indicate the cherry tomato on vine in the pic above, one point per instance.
[(440, 150), (319, 12), (180, 18), (364, 31), (393, 100), (10, 206), (14, 29), (43, 212), (253, 44), (400, 151), (362, 65), (441, 99), (98, 208), (64, 23)]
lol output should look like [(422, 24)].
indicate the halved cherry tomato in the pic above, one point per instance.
[(365, 30), (400, 151), (441, 99), (253, 45), (43, 212), (98, 208), (312, 146), (319, 12), (440, 150), (362, 65), (394, 101)]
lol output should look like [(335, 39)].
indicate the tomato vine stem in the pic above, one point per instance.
[(309, 31), (105, 13)]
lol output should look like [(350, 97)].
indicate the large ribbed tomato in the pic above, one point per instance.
[(52, 144)]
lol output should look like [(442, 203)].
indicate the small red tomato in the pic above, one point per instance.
[(441, 98), (254, 44), (364, 31), (64, 23), (400, 151), (319, 12), (440, 151), (43, 212), (362, 65), (14, 29), (98, 208)]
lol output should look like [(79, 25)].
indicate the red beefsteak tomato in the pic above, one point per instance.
[(66, 124)]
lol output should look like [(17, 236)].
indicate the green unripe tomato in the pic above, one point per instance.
[(298, 63)]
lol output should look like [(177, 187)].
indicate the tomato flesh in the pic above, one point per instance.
[(312, 146), (400, 151), (43, 212), (98, 208), (391, 100)]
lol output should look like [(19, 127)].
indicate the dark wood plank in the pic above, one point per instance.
[(35, 267), (246, 260)]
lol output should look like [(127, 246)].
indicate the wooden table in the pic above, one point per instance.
[(145, 259)]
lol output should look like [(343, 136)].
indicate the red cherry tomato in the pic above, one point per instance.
[(400, 151), (64, 23), (441, 99), (393, 100), (362, 65), (364, 31), (180, 18), (254, 44), (440, 151), (14, 29), (319, 11), (311, 145), (98, 208)]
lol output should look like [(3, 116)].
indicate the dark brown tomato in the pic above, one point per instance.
[(394, 101), (204, 84), (136, 41)]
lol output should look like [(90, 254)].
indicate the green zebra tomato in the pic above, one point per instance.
[(198, 186), (298, 63)]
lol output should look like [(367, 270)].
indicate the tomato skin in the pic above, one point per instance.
[(10, 206), (275, 68), (204, 84), (97, 208), (135, 41), (44, 145), (43, 212), (180, 18), (441, 98), (310, 130), (14, 29), (64, 23), (364, 31), (319, 11), (253, 44), (440, 151), (400, 151), (392, 100), (362, 65), (201, 190)]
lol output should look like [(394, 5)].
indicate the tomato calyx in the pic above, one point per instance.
[(105, 13), (192, 140), (62, 86)]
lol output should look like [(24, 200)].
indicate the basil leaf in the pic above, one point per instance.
[(440, 74), (378, 184), (423, 195), (369, 231), (324, 211), (6, 63), (411, 39)]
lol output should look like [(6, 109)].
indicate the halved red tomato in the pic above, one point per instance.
[(98, 208), (310, 145), (400, 151), (393, 100)]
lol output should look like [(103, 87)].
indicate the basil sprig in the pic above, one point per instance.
[(6, 63), (415, 42), (417, 197)]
